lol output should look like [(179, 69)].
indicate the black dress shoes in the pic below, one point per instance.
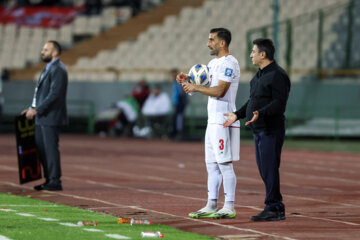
[(269, 216), (40, 187), (49, 187)]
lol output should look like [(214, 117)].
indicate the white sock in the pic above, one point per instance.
[(229, 178), (213, 183), (212, 204), (229, 205)]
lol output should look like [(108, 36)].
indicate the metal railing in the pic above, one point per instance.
[(323, 121), (337, 20), (80, 109)]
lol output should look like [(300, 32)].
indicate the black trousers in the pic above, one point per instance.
[(47, 143), (178, 119), (268, 145)]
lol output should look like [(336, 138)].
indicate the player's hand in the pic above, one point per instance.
[(231, 118), (181, 77), (31, 113), (188, 87), (254, 118)]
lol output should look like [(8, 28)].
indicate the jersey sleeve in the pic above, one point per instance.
[(226, 71)]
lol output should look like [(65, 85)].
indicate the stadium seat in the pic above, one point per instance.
[(183, 37), (80, 25)]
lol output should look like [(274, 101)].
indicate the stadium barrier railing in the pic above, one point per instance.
[(81, 115)]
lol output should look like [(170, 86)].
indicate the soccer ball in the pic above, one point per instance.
[(199, 74)]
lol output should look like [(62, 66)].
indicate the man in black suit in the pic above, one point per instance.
[(264, 113), (49, 109)]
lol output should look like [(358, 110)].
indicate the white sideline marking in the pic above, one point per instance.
[(153, 192), (116, 236), (237, 205), (69, 224), (7, 210), (192, 184), (172, 215), (98, 208), (241, 236), (331, 220), (166, 194), (25, 214), (213, 223), (4, 238), (8, 168), (92, 230), (156, 178), (49, 219)]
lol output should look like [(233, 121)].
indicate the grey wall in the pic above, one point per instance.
[(317, 98)]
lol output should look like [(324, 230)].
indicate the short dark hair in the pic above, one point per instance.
[(222, 34), (57, 46), (265, 45)]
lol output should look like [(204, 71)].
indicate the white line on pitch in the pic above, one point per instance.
[(116, 236), (92, 230), (120, 205), (172, 215), (237, 205), (49, 219), (7, 210), (25, 214), (4, 238), (69, 224)]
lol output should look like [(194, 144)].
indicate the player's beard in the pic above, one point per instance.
[(213, 52), (46, 58)]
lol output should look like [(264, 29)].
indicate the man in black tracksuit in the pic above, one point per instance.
[(264, 112)]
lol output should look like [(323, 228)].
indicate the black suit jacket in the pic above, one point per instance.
[(269, 92), (51, 96)]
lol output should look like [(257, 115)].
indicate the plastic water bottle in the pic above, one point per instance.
[(140, 222), (186, 79), (124, 220), (87, 223), (152, 235)]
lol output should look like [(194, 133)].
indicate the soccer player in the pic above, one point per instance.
[(222, 145)]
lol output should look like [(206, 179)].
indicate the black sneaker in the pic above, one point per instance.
[(269, 216)]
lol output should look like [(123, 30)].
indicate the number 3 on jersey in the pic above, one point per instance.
[(221, 144)]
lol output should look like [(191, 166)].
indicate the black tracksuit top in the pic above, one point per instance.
[(269, 91)]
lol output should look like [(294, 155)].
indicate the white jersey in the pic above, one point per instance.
[(225, 69)]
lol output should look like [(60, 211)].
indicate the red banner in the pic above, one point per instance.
[(39, 16)]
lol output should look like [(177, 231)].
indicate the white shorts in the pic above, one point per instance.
[(222, 144)]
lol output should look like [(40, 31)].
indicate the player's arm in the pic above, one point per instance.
[(218, 91)]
